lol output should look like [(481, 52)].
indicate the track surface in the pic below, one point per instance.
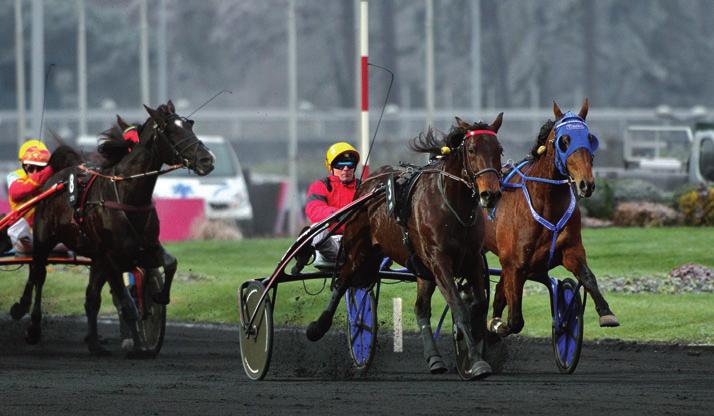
[(199, 373)]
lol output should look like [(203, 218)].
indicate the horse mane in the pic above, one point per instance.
[(114, 147), (64, 155), (542, 137), (429, 142)]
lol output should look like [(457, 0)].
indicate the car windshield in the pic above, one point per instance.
[(225, 163)]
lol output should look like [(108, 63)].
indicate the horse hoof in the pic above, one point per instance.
[(436, 365), (314, 332), (33, 335), (17, 311), (127, 344), (609, 321), (161, 298), (497, 326), (317, 329), (480, 369)]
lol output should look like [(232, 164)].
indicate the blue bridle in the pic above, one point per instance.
[(576, 129)]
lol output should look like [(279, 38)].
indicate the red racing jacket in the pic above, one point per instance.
[(327, 195), (22, 187)]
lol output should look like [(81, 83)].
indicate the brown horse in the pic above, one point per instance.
[(561, 159), (441, 239)]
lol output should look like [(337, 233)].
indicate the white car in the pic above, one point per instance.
[(224, 190)]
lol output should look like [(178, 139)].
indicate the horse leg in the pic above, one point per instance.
[(461, 315), (20, 308), (127, 309), (170, 265), (513, 280), (496, 323), (575, 262), (93, 300), (38, 274), (363, 260), (422, 310)]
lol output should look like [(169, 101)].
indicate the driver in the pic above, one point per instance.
[(329, 194), (24, 184)]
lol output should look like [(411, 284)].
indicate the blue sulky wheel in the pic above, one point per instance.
[(361, 325), (256, 341), (567, 335)]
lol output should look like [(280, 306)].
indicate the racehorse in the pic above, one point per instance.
[(532, 234), (115, 224), (441, 239)]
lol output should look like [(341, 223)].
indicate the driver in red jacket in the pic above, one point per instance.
[(329, 194)]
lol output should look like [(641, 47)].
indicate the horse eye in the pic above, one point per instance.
[(563, 143), (472, 151)]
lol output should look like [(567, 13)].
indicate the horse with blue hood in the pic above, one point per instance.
[(537, 224)]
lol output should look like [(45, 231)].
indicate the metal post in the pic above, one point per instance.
[(82, 67), (144, 52), (364, 54), (429, 26), (38, 65), (20, 73), (162, 50), (293, 202), (476, 55)]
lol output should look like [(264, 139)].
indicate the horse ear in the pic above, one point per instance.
[(497, 123), (462, 123), (584, 109), (556, 110), (171, 107), (153, 113), (121, 123)]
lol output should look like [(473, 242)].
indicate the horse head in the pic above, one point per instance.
[(176, 142), (573, 148), (481, 158)]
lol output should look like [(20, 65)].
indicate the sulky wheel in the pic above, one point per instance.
[(568, 327), (361, 325), (256, 341), (152, 325)]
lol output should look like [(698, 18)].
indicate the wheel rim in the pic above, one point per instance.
[(361, 325), (256, 344), (567, 333), (153, 323)]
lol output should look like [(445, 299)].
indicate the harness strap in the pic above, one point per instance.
[(554, 228), (128, 208)]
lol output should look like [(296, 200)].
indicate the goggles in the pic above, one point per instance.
[(349, 164), (32, 168)]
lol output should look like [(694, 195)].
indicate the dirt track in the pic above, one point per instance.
[(199, 372)]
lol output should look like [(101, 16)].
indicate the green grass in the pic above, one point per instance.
[(210, 273)]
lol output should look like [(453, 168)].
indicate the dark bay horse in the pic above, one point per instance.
[(117, 225), (521, 234), (442, 237)]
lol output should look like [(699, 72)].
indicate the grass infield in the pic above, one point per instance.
[(211, 271)]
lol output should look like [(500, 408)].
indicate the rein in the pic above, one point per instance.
[(115, 178)]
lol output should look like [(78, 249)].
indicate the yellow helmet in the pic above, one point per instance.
[(339, 149), (34, 152)]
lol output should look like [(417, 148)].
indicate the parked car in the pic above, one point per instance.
[(224, 190)]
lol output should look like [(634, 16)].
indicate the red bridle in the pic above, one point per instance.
[(477, 132)]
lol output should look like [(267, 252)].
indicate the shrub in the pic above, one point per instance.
[(602, 202), (645, 214), (697, 206)]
